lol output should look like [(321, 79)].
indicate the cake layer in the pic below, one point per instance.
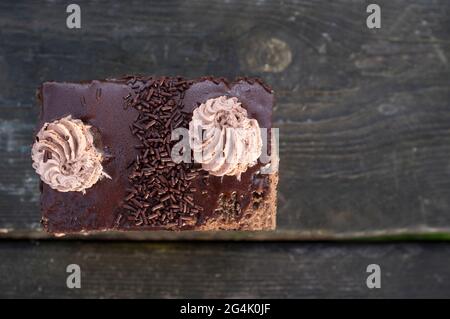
[(132, 120)]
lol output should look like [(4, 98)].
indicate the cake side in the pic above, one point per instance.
[(260, 215)]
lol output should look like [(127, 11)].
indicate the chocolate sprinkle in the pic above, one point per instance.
[(47, 156), (83, 101), (161, 194), (98, 94)]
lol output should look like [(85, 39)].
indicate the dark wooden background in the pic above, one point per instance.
[(364, 120)]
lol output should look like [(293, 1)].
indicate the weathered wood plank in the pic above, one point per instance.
[(208, 270), (364, 115)]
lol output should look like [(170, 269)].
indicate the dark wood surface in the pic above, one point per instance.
[(223, 270), (364, 118), (364, 114)]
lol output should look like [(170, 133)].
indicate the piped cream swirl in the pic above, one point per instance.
[(65, 157), (224, 140)]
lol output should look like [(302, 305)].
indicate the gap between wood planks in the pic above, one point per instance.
[(389, 235)]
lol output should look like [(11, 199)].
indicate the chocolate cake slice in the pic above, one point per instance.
[(156, 153)]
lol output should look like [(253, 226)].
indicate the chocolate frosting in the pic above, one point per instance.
[(224, 140), (65, 157)]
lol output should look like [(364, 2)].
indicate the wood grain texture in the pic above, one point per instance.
[(364, 115), (223, 270)]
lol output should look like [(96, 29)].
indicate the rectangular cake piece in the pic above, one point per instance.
[(105, 153)]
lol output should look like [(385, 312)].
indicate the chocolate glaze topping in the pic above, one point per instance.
[(134, 117)]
